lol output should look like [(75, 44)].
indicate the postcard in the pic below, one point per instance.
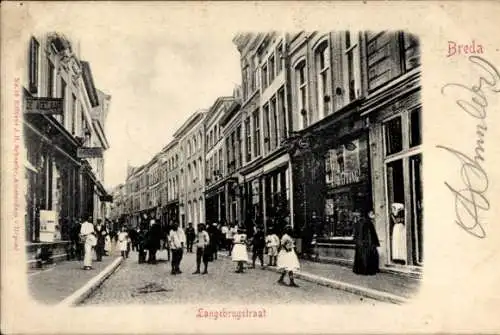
[(264, 167)]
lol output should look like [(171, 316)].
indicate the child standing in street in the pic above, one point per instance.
[(272, 244), (239, 252), (288, 262), (123, 242)]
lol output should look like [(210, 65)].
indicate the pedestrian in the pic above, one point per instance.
[(203, 251), (123, 242), (366, 258), (101, 233), (76, 247), (233, 230), (107, 245), (154, 242), (214, 233), (190, 237), (224, 230), (141, 244), (167, 240), (258, 246), (272, 244), (239, 252), (89, 240), (288, 262), (177, 240)]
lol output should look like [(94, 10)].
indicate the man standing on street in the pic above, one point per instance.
[(190, 236), (202, 249), (153, 241), (177, 239), (89, 240), (258, 245)]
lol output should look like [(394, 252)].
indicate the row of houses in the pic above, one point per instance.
[(64, 116), (324, 127)]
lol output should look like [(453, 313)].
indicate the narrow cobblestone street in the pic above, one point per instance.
[(135, 283)]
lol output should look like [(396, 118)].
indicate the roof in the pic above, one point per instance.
[(190, 122), (88, 80)]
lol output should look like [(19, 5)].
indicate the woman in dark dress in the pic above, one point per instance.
[(366, 259)]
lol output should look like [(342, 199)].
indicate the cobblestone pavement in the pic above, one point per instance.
[(135, 283)]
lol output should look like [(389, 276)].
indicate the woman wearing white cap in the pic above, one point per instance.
[(239, 252), (288, 262), (398, 242)]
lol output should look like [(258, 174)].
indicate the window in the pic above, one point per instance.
[(195, 146), (411, 51), (352, 58), (323, 78), (221, 166), (248, 140), (33, 74), (246, 82), (74, 114), (51, 76), (282, 115), (393, 136), (274, 123), (228, 156), (256, 127), (301, 84), (280, 60), (267, 135), (63, 96), (271, 63), (415, 128), (239, 147), (264, 76)]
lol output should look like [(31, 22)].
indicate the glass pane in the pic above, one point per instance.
[(417, 209), (393, 136), (415, 128), (395, 192)]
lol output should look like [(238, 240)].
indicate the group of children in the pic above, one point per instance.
[(281, 253)]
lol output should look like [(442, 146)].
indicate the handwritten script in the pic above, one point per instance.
[(471, 197)]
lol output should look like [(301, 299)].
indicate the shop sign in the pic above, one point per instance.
[(89, 152), (46, 106), (48, 226), (346, 164)]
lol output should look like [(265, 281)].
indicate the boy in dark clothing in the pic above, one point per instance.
[(258, 245), (190, 237)]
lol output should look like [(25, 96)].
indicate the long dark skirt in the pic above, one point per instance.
[(366, 260)]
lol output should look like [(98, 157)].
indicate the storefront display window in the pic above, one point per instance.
[(415, 128), (347, 190)]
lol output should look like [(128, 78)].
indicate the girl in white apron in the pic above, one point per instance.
[(123, 242), (288, 262), (239, 252)]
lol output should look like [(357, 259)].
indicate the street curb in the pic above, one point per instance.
[(86, 290), (344, 286)]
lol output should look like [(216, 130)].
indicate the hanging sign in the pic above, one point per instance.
[(46, 106), (89, 152)]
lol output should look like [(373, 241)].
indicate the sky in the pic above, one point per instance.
[(157, 77)]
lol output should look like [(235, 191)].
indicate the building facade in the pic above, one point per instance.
[(265, 174), (215, 160), (191, 138), (63, 120), (170, 171)]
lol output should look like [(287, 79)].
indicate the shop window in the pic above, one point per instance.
[(415, 128), (347, 190), (417, 212), (393, 136)]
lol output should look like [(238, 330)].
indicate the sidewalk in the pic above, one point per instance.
[(53, 284), (391, 287)]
